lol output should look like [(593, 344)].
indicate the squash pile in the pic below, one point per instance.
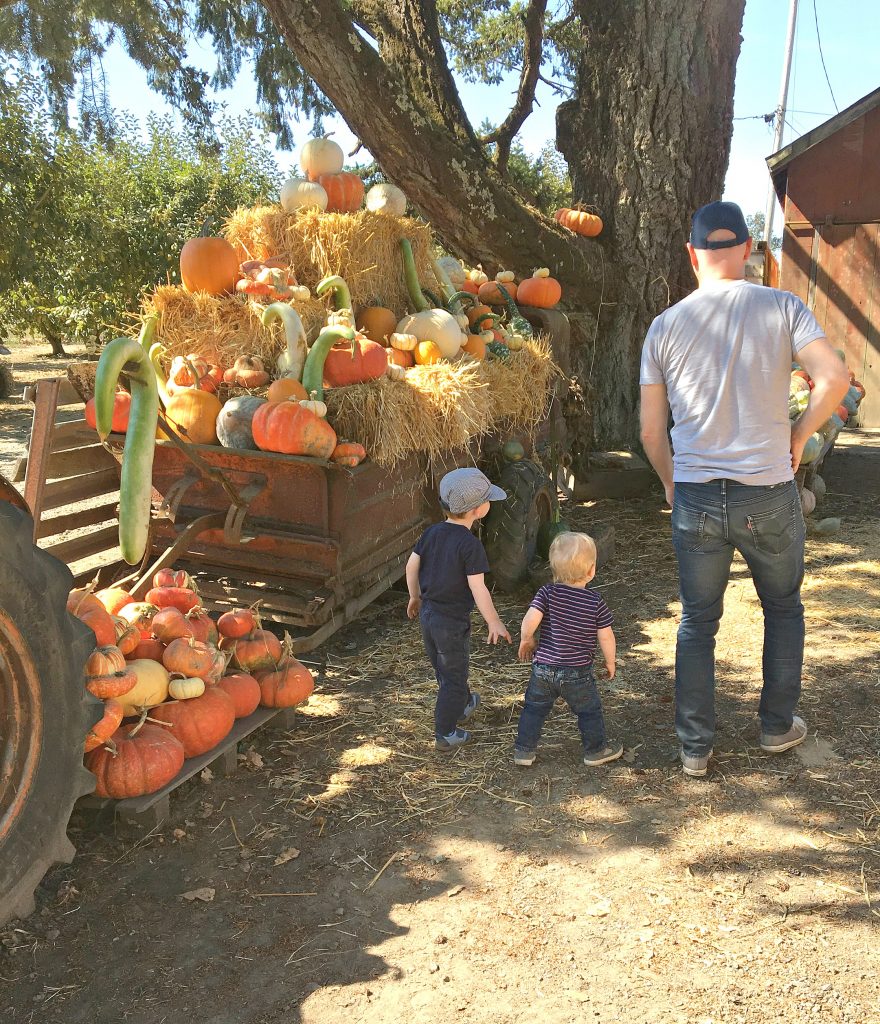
[(173, 681), (798, 397)]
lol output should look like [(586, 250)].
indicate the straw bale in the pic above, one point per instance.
[(445, 406), (222, 328), (362, 247)]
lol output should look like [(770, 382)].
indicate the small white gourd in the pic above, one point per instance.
[(403, 342), (186, 688)]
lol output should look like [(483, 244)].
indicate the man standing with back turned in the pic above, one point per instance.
[(720, 360)]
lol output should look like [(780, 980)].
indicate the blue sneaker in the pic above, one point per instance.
[(472, 705), (453, 741)]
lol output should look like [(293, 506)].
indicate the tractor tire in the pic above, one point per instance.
[(45, 712), (511, 528), (7, 381)]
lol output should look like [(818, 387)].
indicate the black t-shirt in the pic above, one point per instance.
[(449, 553)]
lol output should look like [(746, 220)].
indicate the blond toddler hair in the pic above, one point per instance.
[(573, 557)]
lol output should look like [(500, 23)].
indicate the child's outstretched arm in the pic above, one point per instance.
[(527, 642), (483, 600), (412, 585), (608, 647)]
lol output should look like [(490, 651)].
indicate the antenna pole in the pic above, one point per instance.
[(780, 115)]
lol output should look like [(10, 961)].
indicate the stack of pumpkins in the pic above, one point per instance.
[(172, 681)]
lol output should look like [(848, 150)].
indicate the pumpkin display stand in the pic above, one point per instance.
[(151, 809)]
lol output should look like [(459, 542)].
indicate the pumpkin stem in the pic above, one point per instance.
[(140, 724)]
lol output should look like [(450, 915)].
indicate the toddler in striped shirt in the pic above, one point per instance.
[(573, 621)]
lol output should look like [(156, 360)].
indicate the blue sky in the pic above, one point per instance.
[(850, 34)]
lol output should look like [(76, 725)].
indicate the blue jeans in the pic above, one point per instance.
[(766, 525), (448, 646), (577, 687)]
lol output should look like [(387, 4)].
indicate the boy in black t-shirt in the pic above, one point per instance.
[(444, 576)]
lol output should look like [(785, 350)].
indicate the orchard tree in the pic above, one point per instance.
[(644, 124)]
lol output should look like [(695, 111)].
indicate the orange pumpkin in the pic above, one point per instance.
[(284, 388), (541, 292), (200, 723), (140, 764), (377, 322), (171, 624), (189, 657), (475, 347), (479, 313), (107, 674), (426, 353), (396, 357), (237, 623), (291, 429), (192, 414), (209, 265), (204, 628), (101, 731), (208, 376), (247, 372), (147, 650), (244, 691), (121, 409), (579, 221), (490, 292), (287, 684), (470, 286), (348, 453), (345, 191), (127, 635), (354, 363), (257, 652), (81, 600), (101, 624), (173, 597), (114, 598), (140, 615), (172, 578)]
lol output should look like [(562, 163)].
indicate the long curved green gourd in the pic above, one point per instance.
[(411, 276), (149, 330), (135, 486), (517, 322), (290, 363), (341, 293), (156, 353), (313, 371)]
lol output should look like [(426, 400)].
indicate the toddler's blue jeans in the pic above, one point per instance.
[(448, 646), (577, 687)]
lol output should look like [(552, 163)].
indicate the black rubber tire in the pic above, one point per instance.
[(510, 529), (43, 650)]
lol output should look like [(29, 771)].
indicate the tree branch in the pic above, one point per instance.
[(533, 52)]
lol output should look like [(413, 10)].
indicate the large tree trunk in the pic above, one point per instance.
[(647, 141), (646, 138)]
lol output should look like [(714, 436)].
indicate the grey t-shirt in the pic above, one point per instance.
[(724, 354)]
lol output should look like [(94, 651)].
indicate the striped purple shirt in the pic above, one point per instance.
[(568, 630)]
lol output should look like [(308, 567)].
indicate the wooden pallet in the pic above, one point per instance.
[(154, 808)]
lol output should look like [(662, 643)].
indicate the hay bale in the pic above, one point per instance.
[(222, 328), (362, 247), (445, 407)]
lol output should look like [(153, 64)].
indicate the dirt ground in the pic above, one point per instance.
[(346, 873)]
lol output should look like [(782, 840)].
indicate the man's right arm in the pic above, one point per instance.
[(655, 436), (830, 384)]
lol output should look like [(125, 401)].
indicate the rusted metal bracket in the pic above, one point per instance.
[(174, 495), (211, 521), (237, 513), (206, 470)]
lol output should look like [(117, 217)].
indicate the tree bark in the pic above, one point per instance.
[(399, 98), (647, 140)]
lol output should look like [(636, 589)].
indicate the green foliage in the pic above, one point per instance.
[(88, 225), (542, 180), (756, 223)]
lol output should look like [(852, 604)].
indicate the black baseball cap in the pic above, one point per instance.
[(714, 217)]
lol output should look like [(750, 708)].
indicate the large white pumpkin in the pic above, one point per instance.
[(321, 156), (300, 194), (387, 199), (434, 325)]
